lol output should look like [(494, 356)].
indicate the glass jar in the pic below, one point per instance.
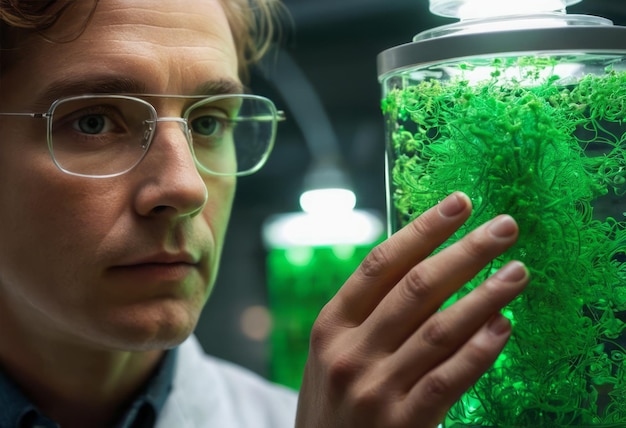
[(526, 115)]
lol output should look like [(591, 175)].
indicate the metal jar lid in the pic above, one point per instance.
[(561, 34)]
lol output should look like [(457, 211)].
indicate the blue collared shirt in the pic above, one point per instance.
[(16, 411)]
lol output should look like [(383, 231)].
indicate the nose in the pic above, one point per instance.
[(171, 184)]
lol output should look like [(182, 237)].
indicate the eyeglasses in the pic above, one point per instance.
[(108, 135)]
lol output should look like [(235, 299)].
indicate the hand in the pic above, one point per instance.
[(382, 354)]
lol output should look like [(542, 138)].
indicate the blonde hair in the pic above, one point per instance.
[(254, 25)]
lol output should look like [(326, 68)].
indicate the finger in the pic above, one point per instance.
[(428, 285), (388, 262), (449, 330), (436, 392)]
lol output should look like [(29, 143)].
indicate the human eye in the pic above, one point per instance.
[(93, 124), (92, 121), (209, 125)]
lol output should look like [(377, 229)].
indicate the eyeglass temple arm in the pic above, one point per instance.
[(33, 115), (279, 117)]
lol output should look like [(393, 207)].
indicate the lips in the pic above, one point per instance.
[(165, 259), (160, 267)]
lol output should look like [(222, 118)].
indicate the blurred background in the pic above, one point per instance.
[(324, 77)]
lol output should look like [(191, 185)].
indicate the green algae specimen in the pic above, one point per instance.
[(551, 152)]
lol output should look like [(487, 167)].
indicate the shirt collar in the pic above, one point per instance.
[(147, 406), (16, 411), (14, 407)]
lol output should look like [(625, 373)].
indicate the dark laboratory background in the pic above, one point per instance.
[(324, 77)]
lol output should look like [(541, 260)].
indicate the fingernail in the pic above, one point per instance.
[(452, 205), (499, 324), (512, 272), (503, 226)]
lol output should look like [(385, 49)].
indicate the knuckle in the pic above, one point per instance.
[(422, 226), (495, 292), (435, 333), (343, 369), (436, 386), (368, 398), (478, 354), (317, 338), (415, 285), (477, 246), (321, 336), (341, 364), (481, 245), (492, 292), (376, 262)]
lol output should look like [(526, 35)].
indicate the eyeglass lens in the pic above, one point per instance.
[(108, 135)]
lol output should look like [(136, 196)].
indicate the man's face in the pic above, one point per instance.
[(124, 262)]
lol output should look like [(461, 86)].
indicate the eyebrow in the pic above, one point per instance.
[(125, 85), (221, 86), (87, 85)]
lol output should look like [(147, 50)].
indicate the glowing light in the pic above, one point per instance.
[(327, 200), (343, 251), (474, 9), (487, 8), (354, 227), (299, 256), (522, 76)]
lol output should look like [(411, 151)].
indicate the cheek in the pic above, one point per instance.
[(54, 209), (48, 220), (216, 213), (37, 201), (30, 202), (217, 210), (43, 236), (35, 230)]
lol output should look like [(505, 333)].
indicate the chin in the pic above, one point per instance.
[(151, 329), (137, 339)]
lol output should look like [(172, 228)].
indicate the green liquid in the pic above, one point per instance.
[(301, 280), (552, 155)]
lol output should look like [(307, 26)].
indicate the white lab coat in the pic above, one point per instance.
[(211, 393)]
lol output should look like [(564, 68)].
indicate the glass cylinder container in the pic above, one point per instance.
[(526, 115), (309, 255)]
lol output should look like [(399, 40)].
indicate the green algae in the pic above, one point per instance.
[(551, 153)]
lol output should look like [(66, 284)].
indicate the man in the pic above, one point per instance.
[(112, 232)]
